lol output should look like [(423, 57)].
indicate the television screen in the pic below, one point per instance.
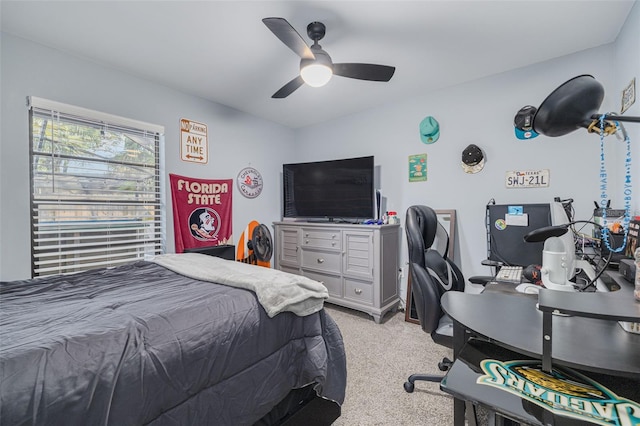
[(336, 189)]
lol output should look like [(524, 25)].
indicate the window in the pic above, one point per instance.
[(95, 189)]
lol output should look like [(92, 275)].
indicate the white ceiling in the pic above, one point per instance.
[(221, 50)]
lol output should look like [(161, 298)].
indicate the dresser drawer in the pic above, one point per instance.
[(322, 260), (333, 283), (359, 291), (322, 238)]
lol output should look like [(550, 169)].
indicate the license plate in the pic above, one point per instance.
[(527, 179)]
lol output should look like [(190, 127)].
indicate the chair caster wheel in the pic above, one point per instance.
[(445, 364), (408, 386)]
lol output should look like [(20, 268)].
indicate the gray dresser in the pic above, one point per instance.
[(357, 263)]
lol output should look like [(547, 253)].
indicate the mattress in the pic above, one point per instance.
[(141, 344)]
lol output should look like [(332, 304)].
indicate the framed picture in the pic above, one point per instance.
[(448, 219), (417, 168), (628, 96)]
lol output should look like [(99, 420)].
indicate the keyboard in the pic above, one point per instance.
[(510, 274)]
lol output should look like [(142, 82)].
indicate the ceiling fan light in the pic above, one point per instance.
[(316, 75)]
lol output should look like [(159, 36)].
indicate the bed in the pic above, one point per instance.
[(144, 344)]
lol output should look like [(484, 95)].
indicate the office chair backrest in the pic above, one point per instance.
[(432, 273)]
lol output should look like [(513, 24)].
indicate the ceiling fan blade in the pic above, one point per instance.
[(288, 88), (289, 36), (370, 72)]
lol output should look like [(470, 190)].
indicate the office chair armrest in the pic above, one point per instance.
[(481, 279)]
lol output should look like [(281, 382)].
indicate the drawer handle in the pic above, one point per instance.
[(358, 290), (333, 243), (320, 260), (306, 242)]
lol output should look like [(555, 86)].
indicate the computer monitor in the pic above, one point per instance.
[(507, 224)]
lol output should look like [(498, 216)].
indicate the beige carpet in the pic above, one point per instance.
[(380, 357)]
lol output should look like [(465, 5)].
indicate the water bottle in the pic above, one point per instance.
[(393, 218)]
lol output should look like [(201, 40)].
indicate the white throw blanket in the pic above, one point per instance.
[(277, 291)]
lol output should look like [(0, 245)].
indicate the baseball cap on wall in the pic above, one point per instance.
[(523, 122), (429, 130), (472, 159)]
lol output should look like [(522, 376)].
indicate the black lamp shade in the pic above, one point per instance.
[(569, 107), (541, 234)]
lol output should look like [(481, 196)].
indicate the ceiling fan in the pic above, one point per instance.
[(316, 67)]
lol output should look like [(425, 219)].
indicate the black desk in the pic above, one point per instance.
[(592, 342)]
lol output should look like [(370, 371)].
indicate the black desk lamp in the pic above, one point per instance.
[(573, 105), (541, 234)]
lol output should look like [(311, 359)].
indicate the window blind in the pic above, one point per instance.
[(95, 189)]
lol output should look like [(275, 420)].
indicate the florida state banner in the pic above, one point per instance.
[(201, 212)]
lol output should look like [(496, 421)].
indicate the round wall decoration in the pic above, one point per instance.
[(249, 182)]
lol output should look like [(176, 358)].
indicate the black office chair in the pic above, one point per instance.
[(432, 274)]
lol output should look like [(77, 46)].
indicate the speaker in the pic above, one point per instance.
[(627, 269)]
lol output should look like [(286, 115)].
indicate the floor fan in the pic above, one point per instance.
[(256, 245)]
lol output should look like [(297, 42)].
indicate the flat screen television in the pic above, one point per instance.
[(334, 190)]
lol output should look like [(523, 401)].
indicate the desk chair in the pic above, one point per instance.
[(432, 274)]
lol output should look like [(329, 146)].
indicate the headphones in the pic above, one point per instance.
[(532, 274)]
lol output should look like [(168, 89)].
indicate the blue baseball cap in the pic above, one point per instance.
[(429, 130), (523, 122)]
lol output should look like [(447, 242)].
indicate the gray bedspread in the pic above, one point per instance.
[(140, 344)]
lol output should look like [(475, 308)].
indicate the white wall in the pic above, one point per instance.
[(627, 67), (236, 139), (481, 112)]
